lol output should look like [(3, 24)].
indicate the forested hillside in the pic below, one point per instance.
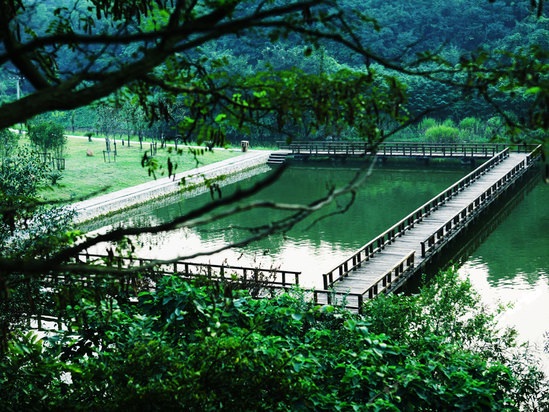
[(458, 32)]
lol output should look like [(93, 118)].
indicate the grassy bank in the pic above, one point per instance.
[(84, 175)]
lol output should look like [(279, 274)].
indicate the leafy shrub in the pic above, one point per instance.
[(48, 136), (471, 129), (426, 123), (21, 174), (8, 143), (192, 347), (470, 124), (495, 122), (442, 134), (449, 123), (494, 127)]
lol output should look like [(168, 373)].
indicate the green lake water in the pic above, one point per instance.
[(387, 196), (512, 266)]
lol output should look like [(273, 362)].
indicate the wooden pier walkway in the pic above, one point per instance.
[(387, 261), (420, 150), (384, 263)]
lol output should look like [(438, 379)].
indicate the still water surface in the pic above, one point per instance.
[(512, 266), (387, 197)]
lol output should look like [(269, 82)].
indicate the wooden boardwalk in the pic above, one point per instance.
[(395, 149), (388, 260)]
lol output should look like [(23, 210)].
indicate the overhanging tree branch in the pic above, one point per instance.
[(198, 217)]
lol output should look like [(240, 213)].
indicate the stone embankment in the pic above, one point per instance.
[(191, 181)]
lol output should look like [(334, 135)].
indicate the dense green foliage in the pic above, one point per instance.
[(28, 229), (209, 347), (209, 71), (21, 175), (48, 136), (8, 143)]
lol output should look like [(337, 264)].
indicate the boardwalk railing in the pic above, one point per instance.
[(402, 148), (354, 301), (378, 243), (272, 277), (440, 236), (392, 275), (40, 318), (439, 150), (327, 147), (534, 155)]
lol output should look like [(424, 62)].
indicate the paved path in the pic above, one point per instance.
[(132, 196)]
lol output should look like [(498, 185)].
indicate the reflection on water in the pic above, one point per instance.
[(512, 266), (387, 196)]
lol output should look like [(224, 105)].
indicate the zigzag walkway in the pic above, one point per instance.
[(386, 262), (403, 249)]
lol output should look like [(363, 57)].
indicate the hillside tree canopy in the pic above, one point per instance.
[(159, 53), (95, 49)]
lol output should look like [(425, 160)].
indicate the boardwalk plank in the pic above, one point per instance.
[(361, 279)]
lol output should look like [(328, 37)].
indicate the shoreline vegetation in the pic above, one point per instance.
[(85, 175), (203, 346)]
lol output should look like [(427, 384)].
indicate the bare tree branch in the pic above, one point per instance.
[(197, 217)]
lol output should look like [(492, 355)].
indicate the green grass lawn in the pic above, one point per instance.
[(83, 175)]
